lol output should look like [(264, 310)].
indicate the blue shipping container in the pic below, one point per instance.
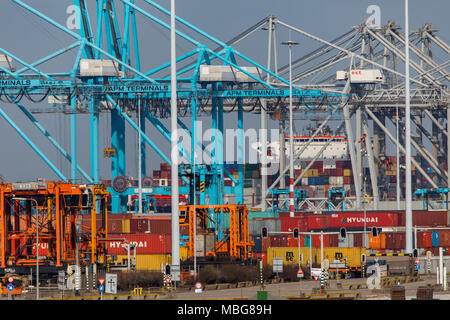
[(435, 238), (258, 243)]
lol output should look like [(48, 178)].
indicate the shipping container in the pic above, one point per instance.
[(444, 238), (346, 242), (380, 241), (317, 222), (114, 227), (358, 240), (258, 243), (160, 226), (126, 226), (356, 219), (138, 225), (334, 240), (427, 239), (395, 240), (262, 214), (265, 244), (425, 218), (148, 262), (145, 243), (353, 255), (435, 238), (348, 180), (256, 225), (288, 224), (289, 254)]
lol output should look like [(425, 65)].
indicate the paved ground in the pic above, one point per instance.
[(275, 291), (282, 290)]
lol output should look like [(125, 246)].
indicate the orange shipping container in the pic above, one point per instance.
[(378, 242)]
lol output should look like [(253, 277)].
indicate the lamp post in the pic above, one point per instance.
[(195, 222), (139, 157), (291, 43), (37, 242), (174, 147), (408, 193)]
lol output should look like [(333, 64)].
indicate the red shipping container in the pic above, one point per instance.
[(334, 240), (279, 241), (427, 239), (139, 226), (286, 214), (339, 164), (356, 219), (292, 242), (358, 240), (425, 218), (288, 224), (265, 243), (114, 227), (420, 239), (395, 240), (160, 226), (317, 222), (316, 241), (444, 238), (326, 240), (145, 243), (348, 180)]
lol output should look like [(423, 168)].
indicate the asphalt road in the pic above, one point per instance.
[(278, 291), (283, 290)]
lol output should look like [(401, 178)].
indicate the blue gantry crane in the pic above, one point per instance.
[(107, 77)]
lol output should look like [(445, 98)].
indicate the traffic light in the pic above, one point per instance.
[(415, 253), (168, 269), (343, 233), (295, 233), (374, 232), (264, 232)]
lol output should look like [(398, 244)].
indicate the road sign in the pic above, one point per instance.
[(10, 287), (168, 279), (325, 264), (111, 283), (101, 288), (316, 273), (277, 265), (62, 280), (417, 261), (175, 272), (10, 279), (300, 273), (101, 281), (198, 287)]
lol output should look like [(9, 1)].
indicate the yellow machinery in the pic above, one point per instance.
[(235, 242)]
